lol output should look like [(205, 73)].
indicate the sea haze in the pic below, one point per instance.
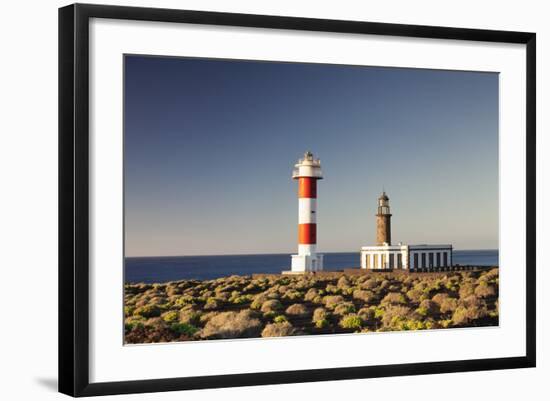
[(171, 268)]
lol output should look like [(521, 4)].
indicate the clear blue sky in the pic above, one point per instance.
[(210, 145)]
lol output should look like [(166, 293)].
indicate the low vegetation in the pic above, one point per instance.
[(329, 303)]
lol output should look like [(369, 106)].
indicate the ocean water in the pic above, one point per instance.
[(171, 268)]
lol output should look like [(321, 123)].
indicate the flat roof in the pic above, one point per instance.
[(400, 247)]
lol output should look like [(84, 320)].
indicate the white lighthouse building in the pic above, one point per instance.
[(307, 171), (412, 258)]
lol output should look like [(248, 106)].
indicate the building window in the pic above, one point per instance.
[(438, 259), (431, 259), (416, 261), (392, 262), (445, 259), (423, 259), (399, 261), (384, 266), (367, 261), (375, 257)]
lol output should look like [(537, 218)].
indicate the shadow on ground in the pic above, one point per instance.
[(47, 382)]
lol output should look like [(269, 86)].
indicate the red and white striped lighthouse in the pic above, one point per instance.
[(307, 171)]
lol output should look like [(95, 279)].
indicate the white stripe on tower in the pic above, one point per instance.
[(307, 249), (307, 211)]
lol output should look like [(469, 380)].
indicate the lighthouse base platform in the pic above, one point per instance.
[(305, 264), (291, 273)]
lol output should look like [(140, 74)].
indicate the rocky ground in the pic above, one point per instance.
[(267, 306)]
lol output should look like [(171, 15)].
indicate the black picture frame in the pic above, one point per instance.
[(74, 198)]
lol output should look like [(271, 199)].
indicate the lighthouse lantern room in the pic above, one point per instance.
[(307, 171)]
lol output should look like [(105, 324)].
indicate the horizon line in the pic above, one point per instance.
[(276, 253)]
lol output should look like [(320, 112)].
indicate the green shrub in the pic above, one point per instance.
[(394, 298), (212, 303), (232, 325), (184, 328), (320, 314), (202, 318), (332, 301), (147, 311), (430, 308), (471, 301), (158, 300), (185, 299), (278, 330), (250, 287), (490, 275), (445, 323), (460, 315), (190, 316), (440, 297), (293, 295), (258, 301), (273, 305), (379, 312), (332, 289), (171, 290), (311, 294), (451, 286), (448, 304), (155, 323), (344, 308), (367, 314), (466, 289), (364, 295), (280, 319), (422, 311), (351, 322), (384, 285), (414, 295), (369, 284), (485, 290), (317, 300), (464, 315), (271, 314), (283, 281), (222, 295), (348, 291), (298, 310), (343, 282), (134, 321), (322, 323), (242, 299), (166, 306), (412, 325), (395, 314), (170, 316)]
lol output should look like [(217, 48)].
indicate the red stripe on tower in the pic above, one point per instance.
[(307, 234), (307, 187)]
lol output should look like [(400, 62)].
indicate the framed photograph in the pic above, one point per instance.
[(250, 199)]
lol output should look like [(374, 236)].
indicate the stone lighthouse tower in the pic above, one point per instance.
[(307, 171), (383, 224)]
